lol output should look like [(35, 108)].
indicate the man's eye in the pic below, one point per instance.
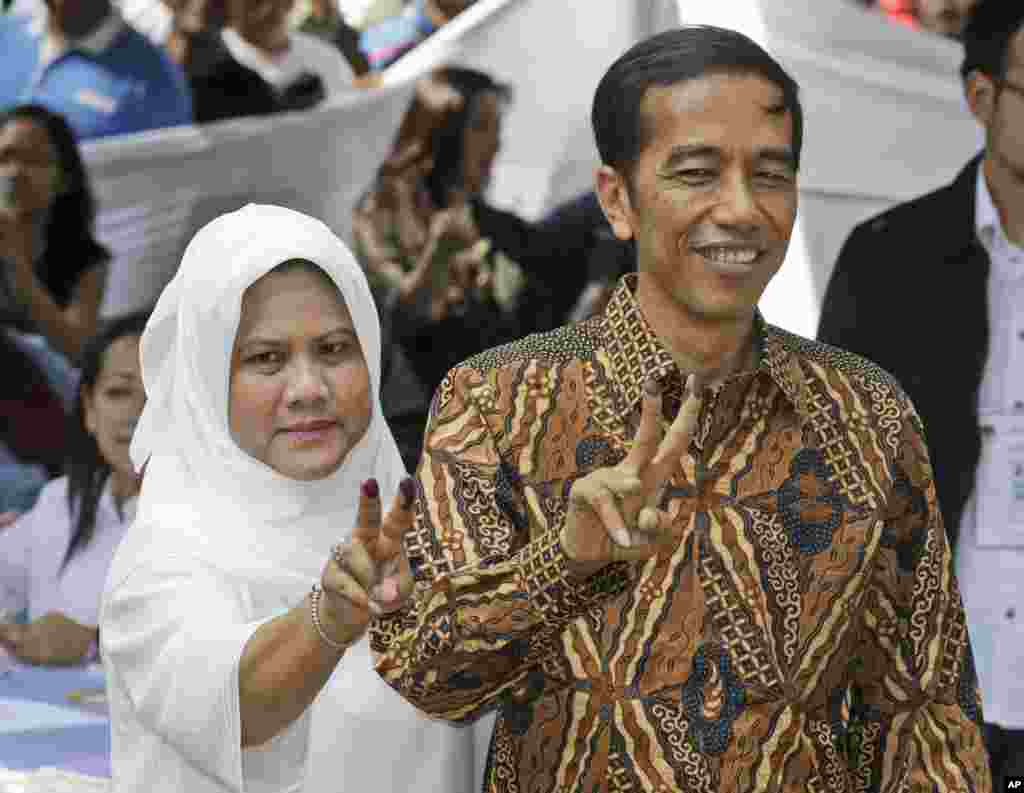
[(773, 176), (696, 174), (265, 358)]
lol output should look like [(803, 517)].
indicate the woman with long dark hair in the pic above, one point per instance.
[(54, 559), (53, 275), (55, 271)]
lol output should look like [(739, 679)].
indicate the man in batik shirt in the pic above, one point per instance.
[(759, 597)]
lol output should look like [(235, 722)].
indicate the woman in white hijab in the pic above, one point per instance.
[(264, 444)]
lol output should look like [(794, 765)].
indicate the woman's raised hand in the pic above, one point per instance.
[(370, 574)]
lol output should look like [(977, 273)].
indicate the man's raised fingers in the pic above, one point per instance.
[(648, 435), (677, 439)]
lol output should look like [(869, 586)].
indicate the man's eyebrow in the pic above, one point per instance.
[(679, 154), (780, 154)]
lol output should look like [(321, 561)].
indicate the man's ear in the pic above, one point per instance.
[(613, 194), (981, 90)]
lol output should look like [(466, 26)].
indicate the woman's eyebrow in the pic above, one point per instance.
[(272, 341)]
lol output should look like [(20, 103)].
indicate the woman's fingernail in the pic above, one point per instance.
[(652, 387), (371, 489), (408, 491)]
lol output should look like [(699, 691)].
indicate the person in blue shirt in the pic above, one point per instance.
[(388, 40), (83, 61)]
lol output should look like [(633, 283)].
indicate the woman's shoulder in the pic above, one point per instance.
[(50, 517)]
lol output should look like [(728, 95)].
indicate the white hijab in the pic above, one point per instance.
[(202, 496)]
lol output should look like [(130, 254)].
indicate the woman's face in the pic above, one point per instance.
[(300, 388), (113, 404), (481, 142), (29, 170)]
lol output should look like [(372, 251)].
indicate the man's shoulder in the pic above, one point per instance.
[(816, 357), (575, 341)]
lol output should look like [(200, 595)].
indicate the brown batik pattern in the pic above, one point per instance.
[(806, 632)]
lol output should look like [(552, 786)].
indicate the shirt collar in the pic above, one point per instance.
[(96, 43), (636, 354), (989, 226)]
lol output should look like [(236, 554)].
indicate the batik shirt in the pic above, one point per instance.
[(805, 632)]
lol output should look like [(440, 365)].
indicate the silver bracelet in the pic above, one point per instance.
[(314, 611)]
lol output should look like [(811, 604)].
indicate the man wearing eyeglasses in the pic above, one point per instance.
[(933, 291)]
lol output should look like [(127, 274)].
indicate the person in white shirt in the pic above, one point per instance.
[(259, 37), (932, 290), (263, 443), (54, 559)]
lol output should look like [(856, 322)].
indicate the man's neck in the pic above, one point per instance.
[(713, 349), (1007, 190)]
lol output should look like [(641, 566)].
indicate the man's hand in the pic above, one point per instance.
[(614, 513), (51, 640)]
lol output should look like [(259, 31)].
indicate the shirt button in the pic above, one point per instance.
[(1018, 405), (1020, 335), (1011, 613)]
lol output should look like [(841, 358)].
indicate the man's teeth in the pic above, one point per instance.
[(730, 255)]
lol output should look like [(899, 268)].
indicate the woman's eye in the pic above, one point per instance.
[(264, 358), (339, 348), (117, 393)]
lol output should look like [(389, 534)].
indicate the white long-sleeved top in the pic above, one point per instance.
[(990, 578), (172, 639), (33, 548)]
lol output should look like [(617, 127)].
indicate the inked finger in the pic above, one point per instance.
[(398, 521), (369, 515), (648, 435)]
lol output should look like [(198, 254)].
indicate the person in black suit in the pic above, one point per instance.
[(933, 291)]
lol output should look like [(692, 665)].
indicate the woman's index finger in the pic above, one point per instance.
[(368, 518)]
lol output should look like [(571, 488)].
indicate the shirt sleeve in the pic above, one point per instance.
[(914, 701), (173, 638), (15, 558), (493, 588)]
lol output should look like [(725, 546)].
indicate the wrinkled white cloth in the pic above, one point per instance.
[(222, 543)]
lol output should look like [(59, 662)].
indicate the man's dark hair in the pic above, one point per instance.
[(991, 26), (676, 56)]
